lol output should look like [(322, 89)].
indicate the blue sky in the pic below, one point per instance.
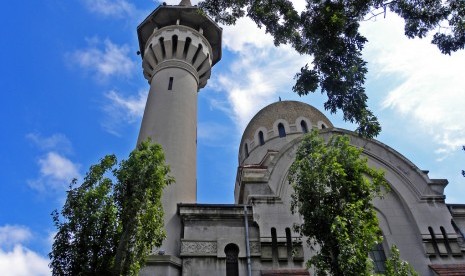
[(72, 88)]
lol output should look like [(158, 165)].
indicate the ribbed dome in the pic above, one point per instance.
[(292, 112)]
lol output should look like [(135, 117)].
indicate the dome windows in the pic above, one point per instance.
[(281, 130), (304, 127), (261, 139)]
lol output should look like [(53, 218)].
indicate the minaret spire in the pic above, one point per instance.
[(178, 47)]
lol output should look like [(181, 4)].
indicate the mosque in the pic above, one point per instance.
[(179, 46)]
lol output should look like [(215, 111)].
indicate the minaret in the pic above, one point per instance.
[(179, 45)]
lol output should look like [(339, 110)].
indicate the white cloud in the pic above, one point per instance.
[(57, 167), (430, 92), (112, 60), (22, 261), (123, 110), (245, 33), (133, 107), (56, 173), (260, 73), (17, 260), (56, 141), (116, 8), (13, 234)]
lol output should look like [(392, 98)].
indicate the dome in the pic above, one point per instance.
[(296, 118)]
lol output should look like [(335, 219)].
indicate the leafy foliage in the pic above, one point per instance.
[(395, 266), (329, 31), (334, 189), (109, 225)]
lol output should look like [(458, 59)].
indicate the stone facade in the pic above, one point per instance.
[(254, 236)]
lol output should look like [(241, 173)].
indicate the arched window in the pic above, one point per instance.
[(281, 130), (303, 124), (289, 243), (446, 240), (261, 138), (246, 149), (323, 126), (433, 238), (232, 252), (379, 258), (274, 245)]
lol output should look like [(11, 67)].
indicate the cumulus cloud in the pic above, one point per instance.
[(15, 258), (105, 58), (430, 91), (55, 141), (260, 73), (22, 261), (116, 8), (13, 234), (121, 109), (56, 172)]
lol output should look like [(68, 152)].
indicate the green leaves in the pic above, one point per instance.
[(109, 223), (395, 266), (329, 32), (334, 188)]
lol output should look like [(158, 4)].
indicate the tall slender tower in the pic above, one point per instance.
[(179, 45)]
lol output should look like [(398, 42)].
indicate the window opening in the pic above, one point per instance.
[(289, 243), (274, 245), (232, 252), (170, 84), (246, 149), (446, 240), (261, 138), (323, 126), (303, 124), (187, 44), (281, 130), (175, 44), (162, 45), (379, 258), (433, 238)]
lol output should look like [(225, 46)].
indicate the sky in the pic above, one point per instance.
[(73, 91)]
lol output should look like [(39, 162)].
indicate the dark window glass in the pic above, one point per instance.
[(379, 258), (170, 84), (289, 243), (246, 149), (261, 138), (303, 124), (281, 130), (232, 252), (274, 245)]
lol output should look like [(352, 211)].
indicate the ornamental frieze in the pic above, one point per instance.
[(198, 248)]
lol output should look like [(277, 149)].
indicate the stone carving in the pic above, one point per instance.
[(198, 247), (254, 247)]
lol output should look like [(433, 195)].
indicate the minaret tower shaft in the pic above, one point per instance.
[(178, 46)]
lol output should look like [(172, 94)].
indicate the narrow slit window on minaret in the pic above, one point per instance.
[(186, 47), (174, 44), (162, 45), (170, 84)]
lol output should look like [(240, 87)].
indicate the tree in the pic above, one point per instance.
[(109, 223), (395, 266), (329, 31), (333, 192)]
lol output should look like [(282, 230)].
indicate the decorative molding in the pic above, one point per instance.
[(198, 248), (255, 248)]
